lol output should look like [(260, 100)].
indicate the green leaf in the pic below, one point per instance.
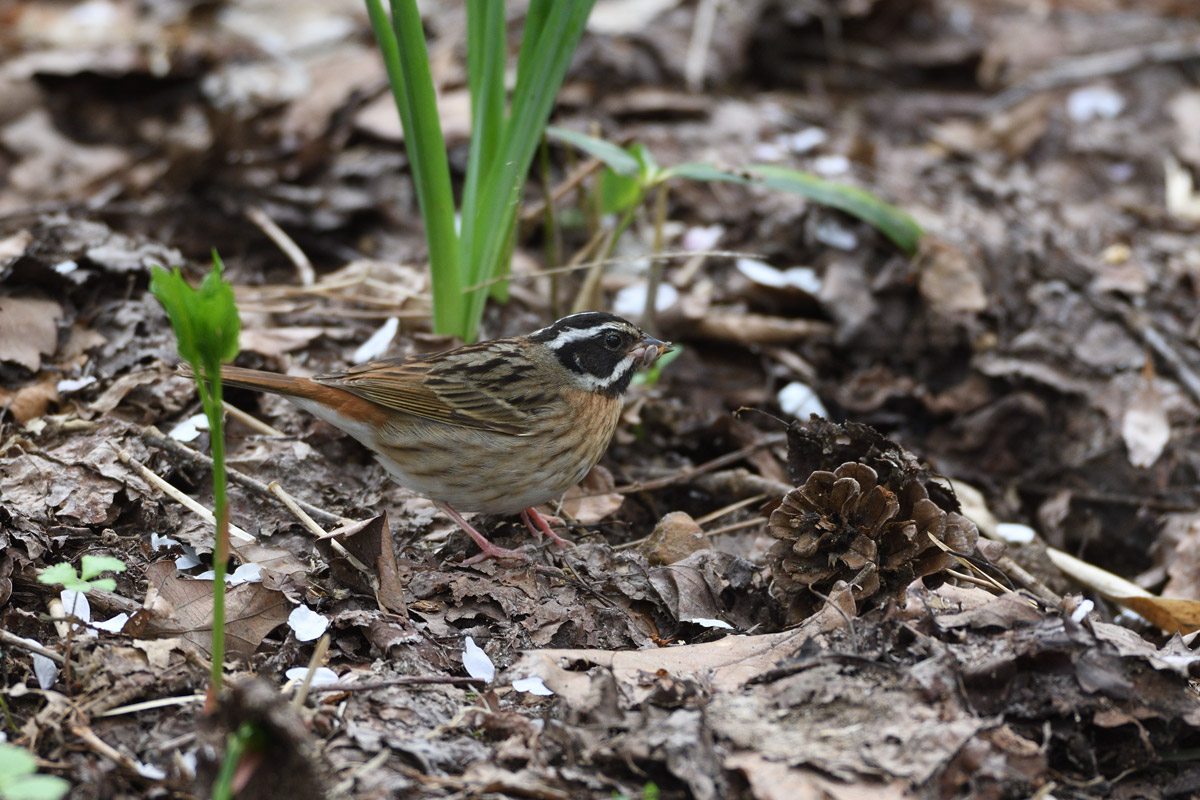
[(92, 566), (36, 787), (62, 574), (893, 223), (701, 171), (205, 321), (615, 157), (651, 376), (15, 761), (619, 193), (648, 169)]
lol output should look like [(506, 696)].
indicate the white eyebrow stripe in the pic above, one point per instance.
[(575, 334)]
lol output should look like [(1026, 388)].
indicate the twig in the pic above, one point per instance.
[(703, 26), (1069, 71), (147, 705), (251, 421), (577, 264), (304, 267), (16, 641), (411, 680), (278, 491), (708, 466), (179, 496), (532, 212), (102, 748), (159, 439), (317, 657), (729, 509)]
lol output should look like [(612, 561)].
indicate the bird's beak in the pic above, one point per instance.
[(649, 349)]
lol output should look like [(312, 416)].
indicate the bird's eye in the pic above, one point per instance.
[(612, 340)]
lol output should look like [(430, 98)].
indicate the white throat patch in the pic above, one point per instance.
[(595, 384)]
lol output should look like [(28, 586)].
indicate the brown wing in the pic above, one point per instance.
[(455, 387)]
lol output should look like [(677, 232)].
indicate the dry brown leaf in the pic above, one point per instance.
[(184, 608), (746, 328), (371, 543), (31, 400), (1173, 615), (949, 278), (593, 498), (28, 330), (277, 341), (1144, 426)]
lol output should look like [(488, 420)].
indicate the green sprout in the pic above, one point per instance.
[(64, 575), (206, 327)]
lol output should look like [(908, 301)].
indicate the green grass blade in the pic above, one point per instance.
[(486, 45), (402, 44), (542, 67), (889, 220)]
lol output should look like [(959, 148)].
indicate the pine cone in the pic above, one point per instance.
[(845, 526)]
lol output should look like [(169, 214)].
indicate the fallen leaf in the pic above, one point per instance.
[(184, 608), (593, 498), (28, 330), (1144, 427)]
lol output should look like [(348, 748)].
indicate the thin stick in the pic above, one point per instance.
[(179, 496), (697, 51), (251, 421), (708, 466), (304, 267), (162, 702), (411, 680), (177, 448), (16, 641), (317, 657), (576, 264), (274, 488), (729, 509)]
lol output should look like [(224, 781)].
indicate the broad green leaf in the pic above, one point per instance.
[(103, 584), (15, 761), (893, 223), (615, 157), (92, 566), (619, 193), (36, 787), (62, 574)]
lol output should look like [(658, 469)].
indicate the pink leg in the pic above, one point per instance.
[(488, 549), (537, 526)]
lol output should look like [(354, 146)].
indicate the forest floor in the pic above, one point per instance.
[(1026, 386)]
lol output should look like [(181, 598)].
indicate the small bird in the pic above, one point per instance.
[(499, 426)]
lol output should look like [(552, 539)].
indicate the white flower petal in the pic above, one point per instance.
[(800, 400), (711, 623), (189, 429), (113, 625), (307, 624), (377, 345), (532, 685), (322, 676), (478, 665)]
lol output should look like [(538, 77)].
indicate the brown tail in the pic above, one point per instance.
[(260, 381)]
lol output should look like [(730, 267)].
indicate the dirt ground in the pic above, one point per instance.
[(757, 604)]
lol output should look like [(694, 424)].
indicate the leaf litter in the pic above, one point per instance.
[(1041, 348)]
